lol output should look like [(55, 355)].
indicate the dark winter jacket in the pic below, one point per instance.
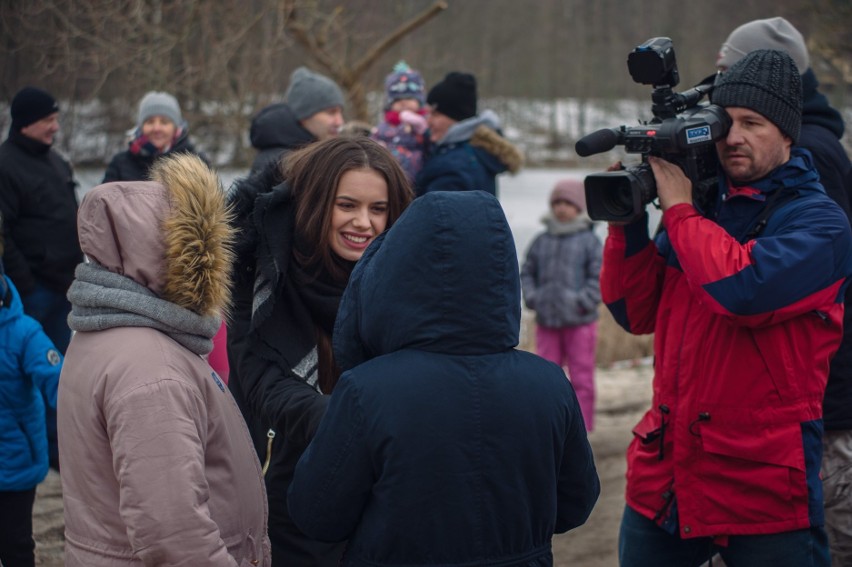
[(39, 208), (272, 353), (274, 132), (129, 166), (744, 329), (443, 444), (469, 157), (561, 272), (822, 128), (29, 376)]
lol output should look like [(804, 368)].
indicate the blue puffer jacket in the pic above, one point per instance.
[(442, 443), (29, 368), (469, 157)]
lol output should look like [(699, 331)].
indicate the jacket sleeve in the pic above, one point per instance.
[(529, 274), (632, 276), (799, 267), (158, 435), (578, 485), (334, 477), (41, 361)]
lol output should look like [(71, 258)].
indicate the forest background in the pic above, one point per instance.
[(553, 69)]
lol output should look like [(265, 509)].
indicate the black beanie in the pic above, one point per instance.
[(767, 82), (455, 96), (31, 105)]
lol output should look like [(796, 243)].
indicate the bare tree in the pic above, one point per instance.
[(313, 30)]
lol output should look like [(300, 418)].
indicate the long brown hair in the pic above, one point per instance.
[(313, 175)]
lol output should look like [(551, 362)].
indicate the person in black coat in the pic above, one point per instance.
[(822, 129), (38, 204), (300, 234), (443, 444), (160, 131)]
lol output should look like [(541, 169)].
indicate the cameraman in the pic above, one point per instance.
[(822, 128), (745, 300)]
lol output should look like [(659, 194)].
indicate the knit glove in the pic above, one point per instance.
[(417, 122)]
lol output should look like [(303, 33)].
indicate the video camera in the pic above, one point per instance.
[(682, 132)]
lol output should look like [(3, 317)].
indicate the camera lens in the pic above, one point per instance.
[(620, 195)]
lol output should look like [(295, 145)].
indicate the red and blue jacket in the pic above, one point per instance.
[(744, 330)]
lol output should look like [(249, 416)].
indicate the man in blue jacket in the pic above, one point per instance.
[(822, 128), (745, 300), (442, 443)]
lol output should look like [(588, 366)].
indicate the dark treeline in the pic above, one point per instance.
[(224, 59)]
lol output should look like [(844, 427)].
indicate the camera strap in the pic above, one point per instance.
[(776, 200)]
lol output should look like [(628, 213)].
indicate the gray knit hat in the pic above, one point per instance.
[(771, 33), (768, 82), (311, 92), (159, 104)]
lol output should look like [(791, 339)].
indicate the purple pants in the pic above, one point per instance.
[(574, 348)]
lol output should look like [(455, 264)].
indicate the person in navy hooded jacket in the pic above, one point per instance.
[(29, 376), (443, 444)]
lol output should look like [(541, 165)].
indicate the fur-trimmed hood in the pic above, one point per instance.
[(171, 235), (483, 131), (498, 146)]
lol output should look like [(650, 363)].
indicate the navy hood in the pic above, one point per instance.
[(443, 279)]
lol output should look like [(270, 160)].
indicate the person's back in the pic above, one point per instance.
[(158, 467), (443, 444)]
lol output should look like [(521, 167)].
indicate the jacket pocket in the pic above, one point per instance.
[(751, 474)]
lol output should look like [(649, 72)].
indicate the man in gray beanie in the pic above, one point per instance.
[(745, 300), (822, 129), (312, 111)]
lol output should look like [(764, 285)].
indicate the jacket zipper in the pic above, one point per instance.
[(270, 436)]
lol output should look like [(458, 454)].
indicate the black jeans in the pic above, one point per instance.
[(17, 547)]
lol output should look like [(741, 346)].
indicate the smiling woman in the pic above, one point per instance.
[(160, 131), (360, 212), (303, 228)]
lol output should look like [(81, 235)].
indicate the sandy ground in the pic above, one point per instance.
[(623, 395)]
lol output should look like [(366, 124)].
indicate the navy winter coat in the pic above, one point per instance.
[(468, 158), (442, 443)]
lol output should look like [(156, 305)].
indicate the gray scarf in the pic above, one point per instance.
[(101, 300)]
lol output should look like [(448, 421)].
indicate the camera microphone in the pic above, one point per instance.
[(597, 142)]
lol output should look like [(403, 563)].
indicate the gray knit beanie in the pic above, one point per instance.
[(311, 92), (159, 104), (771, 33), (768, 82)]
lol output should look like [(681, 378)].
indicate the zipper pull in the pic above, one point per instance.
[(270, 436)]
